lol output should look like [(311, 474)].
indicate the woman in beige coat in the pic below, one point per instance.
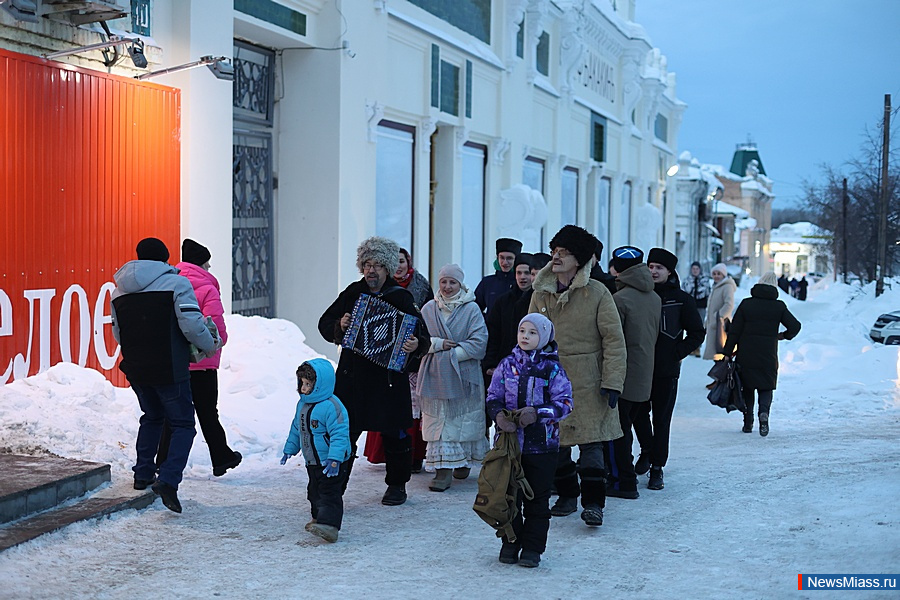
[(592, 351), (719, 307)]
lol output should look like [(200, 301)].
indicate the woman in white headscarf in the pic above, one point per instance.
[(718, 308), (450, 385)]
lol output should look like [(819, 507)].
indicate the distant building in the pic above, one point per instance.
[(695, 192), (800, 249)]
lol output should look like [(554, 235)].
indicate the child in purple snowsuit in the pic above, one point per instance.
[(531, 382)]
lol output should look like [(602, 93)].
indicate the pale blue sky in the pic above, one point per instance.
[(802, 77)]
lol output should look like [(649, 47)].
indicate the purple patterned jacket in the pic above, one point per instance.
[(533, 379)]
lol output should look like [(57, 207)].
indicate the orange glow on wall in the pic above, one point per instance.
[(91, 164)]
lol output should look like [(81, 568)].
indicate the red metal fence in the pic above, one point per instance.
[(90, 165)]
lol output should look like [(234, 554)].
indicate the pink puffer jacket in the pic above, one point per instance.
[(206, 288)]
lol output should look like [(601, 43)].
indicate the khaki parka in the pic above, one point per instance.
[(639, 309), (591, 350)]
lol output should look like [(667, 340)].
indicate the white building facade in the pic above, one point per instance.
[(442, 124)]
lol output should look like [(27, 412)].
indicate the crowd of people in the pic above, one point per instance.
[(549, 347)]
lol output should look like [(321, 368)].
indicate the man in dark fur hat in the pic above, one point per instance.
[(493, 286)]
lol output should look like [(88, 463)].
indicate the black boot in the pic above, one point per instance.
[(763, 424), (168, 494), (566, 482), (642, 465), (394, 496), (592, 515), (509, 553), (656, 479)]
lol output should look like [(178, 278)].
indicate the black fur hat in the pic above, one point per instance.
[(539, 260), (523, 258), (508, 245), (663, 257), (577, 240)]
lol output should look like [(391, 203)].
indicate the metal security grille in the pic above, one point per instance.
[(253, 195)]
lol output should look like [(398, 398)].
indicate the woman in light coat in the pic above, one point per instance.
[(450, 384), (719, 307)]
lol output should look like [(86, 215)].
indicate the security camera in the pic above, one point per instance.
[(136, 52)]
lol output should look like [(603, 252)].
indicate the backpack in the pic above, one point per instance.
[(499, 483)]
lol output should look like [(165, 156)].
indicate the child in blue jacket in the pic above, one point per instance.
[(321, 429)]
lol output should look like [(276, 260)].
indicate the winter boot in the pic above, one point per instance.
[(763, 424), (530, 559), (143, 484), (748, 421), (220, 470), (394, 496), (310, 524), (168, 494), (461, 472), (656, 479), (564, 506), (443, 478), (593, 487), (329, 533), (642, 465), (509, 553), (626, 494), (592, 515)]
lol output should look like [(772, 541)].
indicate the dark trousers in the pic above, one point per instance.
[(326, 494), (765, 402), (397, 455), (161, 403), (205, 392), (618, 452), (643, 430), (590, 467), (662, 403), (532, 522)]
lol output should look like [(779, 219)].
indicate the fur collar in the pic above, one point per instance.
[(545, 281)]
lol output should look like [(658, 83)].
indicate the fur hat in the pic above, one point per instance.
[(598, 250), (544, 326), (194, 253), (769, 278), (539, 260), (152, 249), (719, 267), (523, 258), (576, 240), (508, 245), (381, 250), (663, 257), (453, 271), (625, 257)]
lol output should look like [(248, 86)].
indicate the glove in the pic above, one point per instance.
[(611, 395), (332, 468), (285, 458), (527, 416), (504, 424)]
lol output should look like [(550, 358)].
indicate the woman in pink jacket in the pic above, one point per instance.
[(204, 379)]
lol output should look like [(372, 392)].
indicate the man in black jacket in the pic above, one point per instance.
[(377, 399), (493, 286), (503, 318), (155, 318), (680, 332)]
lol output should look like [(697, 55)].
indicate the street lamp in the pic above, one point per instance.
[(220, 66)]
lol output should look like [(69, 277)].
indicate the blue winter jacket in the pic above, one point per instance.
[(321, 427)]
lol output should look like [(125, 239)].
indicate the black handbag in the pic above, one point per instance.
[(727, 391)]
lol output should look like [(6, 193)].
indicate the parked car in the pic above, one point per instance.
[(887, 329)]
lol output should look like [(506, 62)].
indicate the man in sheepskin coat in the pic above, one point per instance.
[(592, 351), (376, 398)]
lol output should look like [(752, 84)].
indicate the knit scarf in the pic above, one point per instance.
[(406, 279), (448, 305)]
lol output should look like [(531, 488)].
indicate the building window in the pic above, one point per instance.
[(604, 199), (435, 76), (661, 128), (468, 89), (272, 12), (449, 88), (542, 60), (472, 16), (569, 204), (474, 160), (625, 215), (445, 84), (533, 177), (520, 40), (140, 17), (598, 137), (394, 192)]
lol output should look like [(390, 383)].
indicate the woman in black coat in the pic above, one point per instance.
[(755, 332)]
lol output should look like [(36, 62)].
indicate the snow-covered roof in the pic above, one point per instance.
[(723, 208), (802, 232)]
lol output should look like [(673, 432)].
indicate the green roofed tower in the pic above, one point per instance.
[(745, 153)]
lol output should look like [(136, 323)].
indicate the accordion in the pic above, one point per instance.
[(378, 330)]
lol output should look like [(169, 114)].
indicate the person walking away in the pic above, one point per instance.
[(784, 284), (321, 430), (802, 287), (376, 398), (493, 286), (592, 351), (420, 288), (533, 384), (680, 333), (639, 310), (155, 319), (451, 384), (795, 286), (204, 374), (698, 286), (720, 307), (755, 332)]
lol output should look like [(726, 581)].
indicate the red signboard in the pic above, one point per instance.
[(90, 165)]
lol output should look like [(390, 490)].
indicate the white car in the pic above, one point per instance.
[(887, 329)]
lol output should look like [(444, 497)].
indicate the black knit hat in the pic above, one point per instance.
[(663, 257), (152, 249), (577, 240), (523, 258), (508, 245), (539, 260), (194, 253), (625, 257)]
